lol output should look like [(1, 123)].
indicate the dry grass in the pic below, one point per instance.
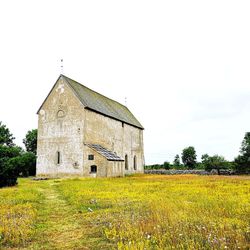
[(139, 212)]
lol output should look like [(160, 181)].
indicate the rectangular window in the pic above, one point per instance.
[(58, 157), (91, 157)]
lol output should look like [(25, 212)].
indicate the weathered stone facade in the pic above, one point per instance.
[(66, 127)]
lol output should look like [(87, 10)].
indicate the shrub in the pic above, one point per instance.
[(25, 164), (153, 166), (8, 171), (14, 162)]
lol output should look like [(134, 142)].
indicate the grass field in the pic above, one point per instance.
[(138, 212)]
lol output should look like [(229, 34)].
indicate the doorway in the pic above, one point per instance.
[(93, 169)]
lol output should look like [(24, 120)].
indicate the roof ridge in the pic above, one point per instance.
[(94, 91), (66, 78), (102, 104)]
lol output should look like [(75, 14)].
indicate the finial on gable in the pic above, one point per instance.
[(61, 66)]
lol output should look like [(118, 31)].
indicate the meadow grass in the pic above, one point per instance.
[(136, 212), (18, 210), (165, 212)]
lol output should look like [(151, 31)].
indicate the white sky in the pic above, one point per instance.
[(183, 65)]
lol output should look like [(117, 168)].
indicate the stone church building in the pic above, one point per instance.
[(83, 133)]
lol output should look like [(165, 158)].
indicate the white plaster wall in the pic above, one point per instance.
[(63, 134), (117, 137)]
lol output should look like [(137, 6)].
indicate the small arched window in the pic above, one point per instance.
[(126, 162), (135, 163), (60, 114)]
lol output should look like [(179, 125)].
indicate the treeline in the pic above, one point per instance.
[(188, 160), (15, 161)]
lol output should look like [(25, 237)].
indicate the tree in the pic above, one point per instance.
[(13, 160), (214, 162), (177, 161), (6, 138), (242, 162), (204, 158), (189, 157), (166, 165), (245, 145), (30, 141), (25, 164), (8, 170)]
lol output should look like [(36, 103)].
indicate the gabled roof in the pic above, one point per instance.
[(102, 104), (110, 156), (99, 103)]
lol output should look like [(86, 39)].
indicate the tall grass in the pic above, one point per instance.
[(18, 213), (138, 212), (166, 212)]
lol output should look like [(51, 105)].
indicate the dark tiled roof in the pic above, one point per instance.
[(102, 104), (110, 156)]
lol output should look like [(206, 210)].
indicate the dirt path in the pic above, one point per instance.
[(58, 224)]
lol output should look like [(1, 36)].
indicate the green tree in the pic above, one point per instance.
[(214, 162), (245, 145), (8, 171), (6, 138), (166, 165), (189, 157), (242, 162), (177, 161), (30, 141), (25, 164), (13, 160)]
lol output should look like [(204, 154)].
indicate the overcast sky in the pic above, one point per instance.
[(184, 66)]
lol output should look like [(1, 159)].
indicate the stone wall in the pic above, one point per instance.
[(60, 129), (195, 171), (99, 161), (117, 137)]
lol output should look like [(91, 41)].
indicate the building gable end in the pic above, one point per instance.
[(60, 78)]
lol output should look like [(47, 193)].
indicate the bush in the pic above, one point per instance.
[(27, 164), (153, 166), (14, 162), (8, 174), (165, 165), (180, 167), (8, 171)]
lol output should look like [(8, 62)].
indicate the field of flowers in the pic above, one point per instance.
[(18, 209), (136, 212), (164, 212)]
